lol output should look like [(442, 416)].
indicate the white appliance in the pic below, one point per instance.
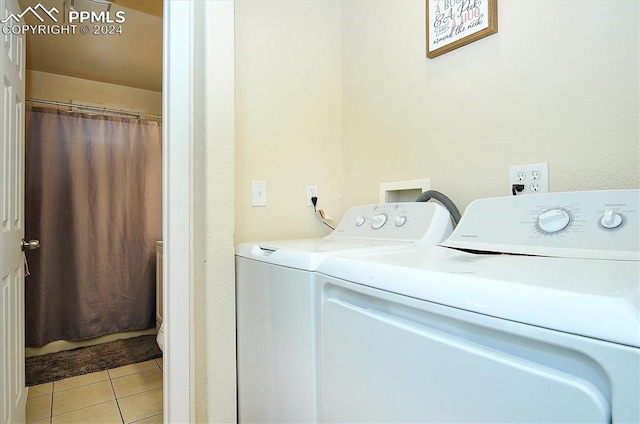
[(442, 335), (276, 298)]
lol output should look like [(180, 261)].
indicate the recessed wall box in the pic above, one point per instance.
[(403, 191)]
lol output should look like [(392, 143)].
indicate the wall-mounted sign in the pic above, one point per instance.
[(454, 23)]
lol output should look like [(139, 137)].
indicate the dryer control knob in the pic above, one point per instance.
[(553, 220), (359, 221), (377, 221), (400, 221), (611, 219)]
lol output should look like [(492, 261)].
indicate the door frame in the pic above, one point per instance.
[(177, 145)]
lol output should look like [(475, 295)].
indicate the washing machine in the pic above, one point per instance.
[(528, 312), (276, 303)]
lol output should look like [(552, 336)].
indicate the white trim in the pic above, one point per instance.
[(176, 206)]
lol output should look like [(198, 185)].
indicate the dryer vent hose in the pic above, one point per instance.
[(448, 203)]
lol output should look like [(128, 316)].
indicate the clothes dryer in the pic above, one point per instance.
[(276, 300), (547, 330)]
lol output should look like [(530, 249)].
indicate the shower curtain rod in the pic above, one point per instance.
[(103, 110)]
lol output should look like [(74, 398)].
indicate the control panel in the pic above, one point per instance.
[(590, 224), (404, 221)]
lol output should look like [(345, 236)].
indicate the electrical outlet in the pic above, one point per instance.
[(534, 177), (312, 191)]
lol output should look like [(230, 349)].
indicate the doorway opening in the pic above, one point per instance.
[(113, 66)]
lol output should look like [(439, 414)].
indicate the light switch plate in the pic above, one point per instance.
[(258, 193)]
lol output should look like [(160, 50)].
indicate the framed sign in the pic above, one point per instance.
[(455, 23)]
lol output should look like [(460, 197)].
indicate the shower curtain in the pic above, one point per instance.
[(93, 199)]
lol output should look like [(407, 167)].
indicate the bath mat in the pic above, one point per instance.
[(85, 360)]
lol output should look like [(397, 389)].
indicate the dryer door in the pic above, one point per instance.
[(378, 367)]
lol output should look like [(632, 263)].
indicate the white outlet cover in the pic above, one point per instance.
[(312, 191), (536, 178)]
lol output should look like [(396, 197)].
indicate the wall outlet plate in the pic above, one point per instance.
[(312, 191), (534, 177)]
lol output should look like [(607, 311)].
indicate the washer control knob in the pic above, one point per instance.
[(400, 221), (359, 221), (553, 220), (611, 219), (377, 221)]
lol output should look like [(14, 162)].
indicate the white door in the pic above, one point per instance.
[(12, 94)]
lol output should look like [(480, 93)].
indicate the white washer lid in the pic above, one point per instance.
[(593, 298), (400, 225), (307, 254)]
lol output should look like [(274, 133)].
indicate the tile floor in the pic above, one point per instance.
[(129, 394)]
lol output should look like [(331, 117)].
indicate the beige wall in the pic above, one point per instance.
[(42, 85), (288, 115), (340, 94), (558, 83)]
